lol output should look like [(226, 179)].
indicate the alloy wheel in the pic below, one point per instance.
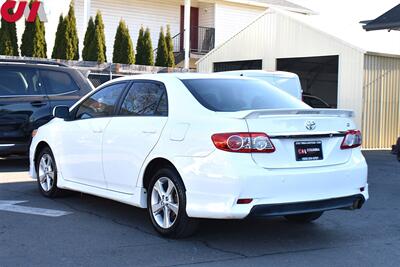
[(164, 203), (46, 172)]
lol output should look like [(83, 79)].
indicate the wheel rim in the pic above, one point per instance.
[(46, 172), (164, 203)]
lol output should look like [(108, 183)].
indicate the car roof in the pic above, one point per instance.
[(180, 76), (31, 62), (260, 73)]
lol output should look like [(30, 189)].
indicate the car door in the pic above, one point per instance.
[(61, 88), (130, 136), (80, 153), (23, 106)]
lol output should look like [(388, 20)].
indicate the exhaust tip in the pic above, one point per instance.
[(357, 204)]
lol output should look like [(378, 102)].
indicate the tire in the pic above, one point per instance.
[(47, 169), (304, 217), (167, 195)]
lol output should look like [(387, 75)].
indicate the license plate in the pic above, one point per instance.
[(308, 150)]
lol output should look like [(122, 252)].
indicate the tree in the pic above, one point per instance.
[(6, 44), (123, 47), (59, 43), (88, 41), (162, 51), (98, 22), (71, 35), (34, 40), (99, 47), (139, 48), (8, 38), (148, 48), (170, 48)]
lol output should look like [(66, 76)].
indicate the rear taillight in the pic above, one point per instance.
[(243, 142), (352, 139)]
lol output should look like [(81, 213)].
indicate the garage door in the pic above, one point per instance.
[(318, 75)]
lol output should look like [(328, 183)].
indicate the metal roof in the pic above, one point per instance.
[(388, 21)]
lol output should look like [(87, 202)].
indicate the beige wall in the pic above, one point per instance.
[(381, 107)]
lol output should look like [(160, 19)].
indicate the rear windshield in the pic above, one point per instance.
[(229, 95)]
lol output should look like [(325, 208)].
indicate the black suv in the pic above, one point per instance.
[(29, 90)]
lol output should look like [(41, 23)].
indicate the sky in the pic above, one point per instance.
[(341, 18)]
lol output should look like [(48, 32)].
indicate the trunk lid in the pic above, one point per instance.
[(288, 127)]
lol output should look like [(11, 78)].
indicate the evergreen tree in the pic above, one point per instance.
[(170, 48), (162, 51), (59, 43), (139, 48), (148, 49), (71, 35), (123, 47), (9, 40), (6, 44), (88, 42), (98, 22), (100, 58), (33, 40)]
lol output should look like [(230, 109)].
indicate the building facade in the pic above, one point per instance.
[(340, 73)]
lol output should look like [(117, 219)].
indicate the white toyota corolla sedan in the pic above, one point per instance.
[(189, 146)]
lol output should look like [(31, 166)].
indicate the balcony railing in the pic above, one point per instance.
[(202, 40)]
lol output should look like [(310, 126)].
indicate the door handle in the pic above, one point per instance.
[(38, 103), (149, 131), (97, 131)]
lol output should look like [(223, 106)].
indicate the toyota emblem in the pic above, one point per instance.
[(310, 125)]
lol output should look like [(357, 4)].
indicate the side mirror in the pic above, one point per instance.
[(61, 112)]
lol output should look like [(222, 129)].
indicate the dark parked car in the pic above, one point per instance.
[(29, 90), (396, 149)]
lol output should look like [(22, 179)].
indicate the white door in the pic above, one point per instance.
[(133, 133), (80, 157)]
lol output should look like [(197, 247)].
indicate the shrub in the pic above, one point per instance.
[(162, 51), (123, 47)]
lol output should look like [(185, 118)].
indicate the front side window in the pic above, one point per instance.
[(101, 103), (17, 81), (145, 99), (58, 82), (230, 95)]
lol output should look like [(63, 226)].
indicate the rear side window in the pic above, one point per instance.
[(230, 95), (101, 103), (58, 82), (145, 99), (16, 81)]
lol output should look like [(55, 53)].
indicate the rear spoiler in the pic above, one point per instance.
[(283, 112)]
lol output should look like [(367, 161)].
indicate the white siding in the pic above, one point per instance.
[(275, 35), (206, 15), (231, 18), (152, 14)]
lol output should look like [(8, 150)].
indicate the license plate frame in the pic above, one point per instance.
[(308, 150)]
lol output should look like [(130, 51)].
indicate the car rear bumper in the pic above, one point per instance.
[(269, 210), (214, 185), (13, 149)]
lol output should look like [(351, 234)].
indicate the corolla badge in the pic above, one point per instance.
[(310, 125)]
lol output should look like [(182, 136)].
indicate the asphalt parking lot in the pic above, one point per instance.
[(106, 233)]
